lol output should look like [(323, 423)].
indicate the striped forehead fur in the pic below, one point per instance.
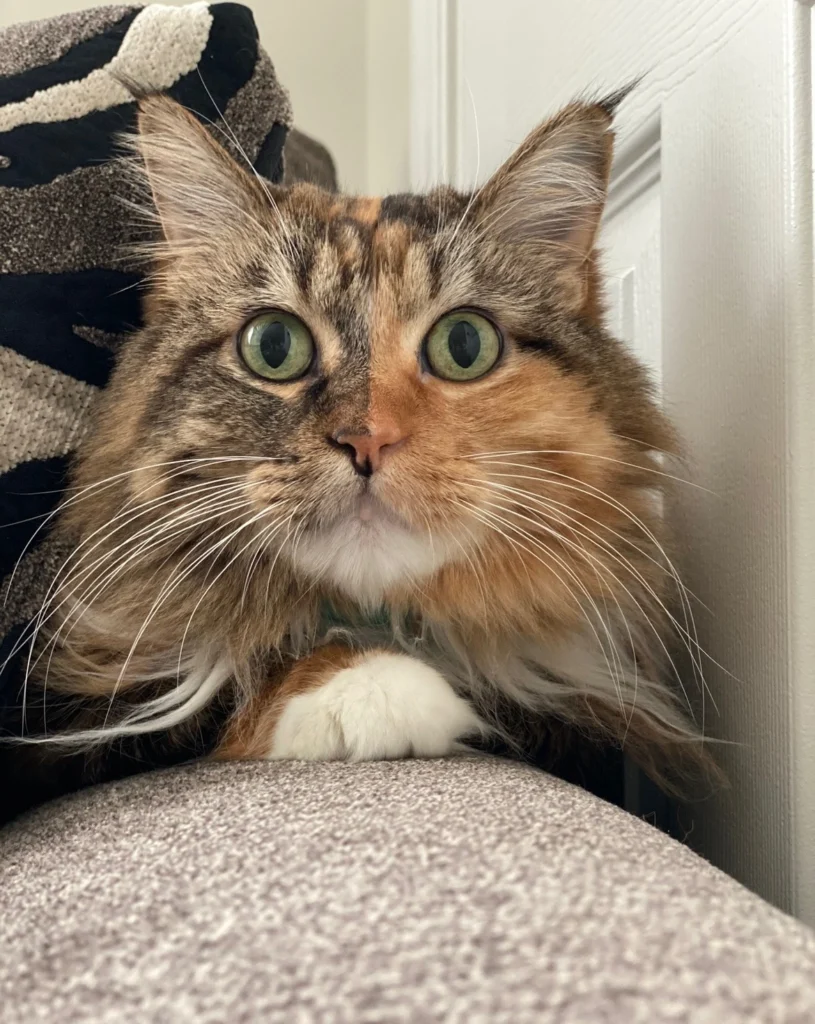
[(216, 509)]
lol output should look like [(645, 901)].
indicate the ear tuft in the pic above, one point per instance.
[(611, 102)]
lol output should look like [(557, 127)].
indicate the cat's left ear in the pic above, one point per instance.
[(548, 198)]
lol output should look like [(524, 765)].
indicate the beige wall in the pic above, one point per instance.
[(27, 10), (345, 63), (388, 96), (319, 50)]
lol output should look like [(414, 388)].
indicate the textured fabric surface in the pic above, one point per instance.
[(35, 43), (68, 296), (468, 890)]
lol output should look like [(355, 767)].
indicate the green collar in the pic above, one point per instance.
[(330, 618)]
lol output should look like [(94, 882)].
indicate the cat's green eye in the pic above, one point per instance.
[(462, 346), (277, 346)]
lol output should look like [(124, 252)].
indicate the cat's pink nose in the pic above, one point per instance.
[(367, 449)]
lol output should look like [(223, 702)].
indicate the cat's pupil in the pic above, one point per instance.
[(464, 343), (275, 343)]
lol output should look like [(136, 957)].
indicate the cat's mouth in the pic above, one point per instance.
[(369, 509), (366, 508)]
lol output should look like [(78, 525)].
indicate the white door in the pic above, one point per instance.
[(709, 247)]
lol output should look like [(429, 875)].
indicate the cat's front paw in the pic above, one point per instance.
[(385, 706)]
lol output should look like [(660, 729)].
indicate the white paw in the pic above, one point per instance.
[(387, 706)]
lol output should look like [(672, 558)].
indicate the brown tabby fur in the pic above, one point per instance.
[(538, 479)]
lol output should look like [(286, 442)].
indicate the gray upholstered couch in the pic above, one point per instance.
[(465, 890)]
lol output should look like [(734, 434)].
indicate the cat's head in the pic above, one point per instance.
[(414, 394)]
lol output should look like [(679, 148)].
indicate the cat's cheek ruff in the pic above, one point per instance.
[(386, 706), (577, 682)]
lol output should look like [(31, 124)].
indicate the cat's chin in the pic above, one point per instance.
[(369, 551)]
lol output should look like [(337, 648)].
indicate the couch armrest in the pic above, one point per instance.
[(470, 889)]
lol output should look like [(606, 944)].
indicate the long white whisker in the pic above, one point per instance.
[(84, 603), (260, 179), (170, 588), (270, 573), (476, 190), (571, 483), (76, 554), (597, 564), (615, 672), (487, 456), (214, 509), (30, 635), (130, 514), (89, 490), (277, 524)]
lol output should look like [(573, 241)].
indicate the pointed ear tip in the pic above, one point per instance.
[(145, 96), (135, 88), (611, 103)]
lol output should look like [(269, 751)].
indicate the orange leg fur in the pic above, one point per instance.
[(249, 734), (342, 704)]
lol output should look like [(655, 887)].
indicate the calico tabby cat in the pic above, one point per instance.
[(373, 481)]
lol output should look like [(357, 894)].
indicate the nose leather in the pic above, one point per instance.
[(368, 449)]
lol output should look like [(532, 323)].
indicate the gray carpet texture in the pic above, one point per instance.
[(465, 890)]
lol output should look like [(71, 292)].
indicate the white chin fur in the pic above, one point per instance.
[(365, 558)]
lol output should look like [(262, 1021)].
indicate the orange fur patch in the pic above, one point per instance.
[(365, 209)]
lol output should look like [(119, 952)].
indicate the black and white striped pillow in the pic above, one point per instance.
[(66, 298)]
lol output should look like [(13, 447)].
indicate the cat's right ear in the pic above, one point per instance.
[(198, 190), (548, 198)]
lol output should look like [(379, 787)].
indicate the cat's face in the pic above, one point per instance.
[(390, 381)]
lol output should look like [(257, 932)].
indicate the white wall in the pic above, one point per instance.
[(319, 50), (345, 63)]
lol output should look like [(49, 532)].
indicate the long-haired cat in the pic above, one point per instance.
[(373, 480)]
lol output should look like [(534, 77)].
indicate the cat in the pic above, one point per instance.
[(373, 480)]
